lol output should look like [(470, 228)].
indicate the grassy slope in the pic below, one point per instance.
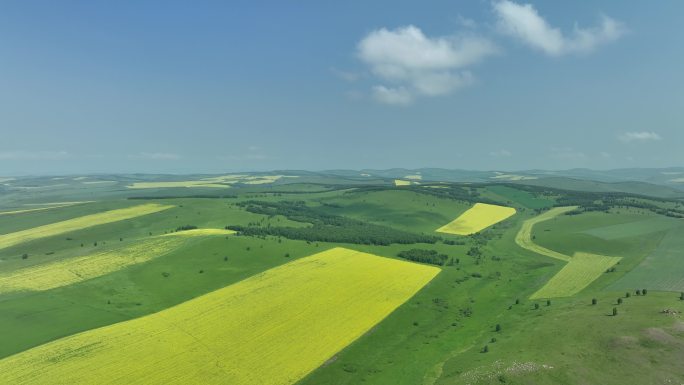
[(573, 342)]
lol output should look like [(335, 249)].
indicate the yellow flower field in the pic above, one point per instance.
[(186, 183), (477, 218), (11, 239), (272, 328), (55, 206), (68, 271), (524, 236), (399, 182), (577, 274)]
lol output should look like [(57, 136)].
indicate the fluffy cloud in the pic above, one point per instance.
[(522, 21), (642, 136), (415, 64), (397, 96)]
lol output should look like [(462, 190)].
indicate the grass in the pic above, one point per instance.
[(200, 232), (573, 342), (476, 219), (434, 338), (578, 273), (662, 269), (11, 239), (524, 238), (636, 228), (289, 334)]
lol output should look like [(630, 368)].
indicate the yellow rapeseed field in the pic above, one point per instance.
[(524, 236), (272, 328), (399, 182), (11, 239), (477, 218), (186, 183), (55, 206), (577, 274), (68, 271)]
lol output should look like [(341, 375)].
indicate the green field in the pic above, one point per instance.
[(62, 283), (662, 269)]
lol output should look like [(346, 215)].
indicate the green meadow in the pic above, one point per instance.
[(496, 313)]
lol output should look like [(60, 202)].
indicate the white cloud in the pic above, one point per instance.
[(33, 155), (523, 22), (415, 64), (156, 156), (397, 96), (642, 136)]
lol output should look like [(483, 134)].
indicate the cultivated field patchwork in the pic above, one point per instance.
[(272, 328), (73, 270), (477, 218), (223, 181), (578, 273), (11, 239), (524, 236)]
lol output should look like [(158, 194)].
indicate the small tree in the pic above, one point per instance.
[(485, 349), (638, 292), (287, 255), (628, 294), (614, 311), (225, 259), (643, 291), (593, 301), (548, 302), (619, 301), (24, 256), (536, 306), (681, 296), (517, 301), (498, 327)]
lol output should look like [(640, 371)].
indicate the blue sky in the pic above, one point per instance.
[(213, 86)]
